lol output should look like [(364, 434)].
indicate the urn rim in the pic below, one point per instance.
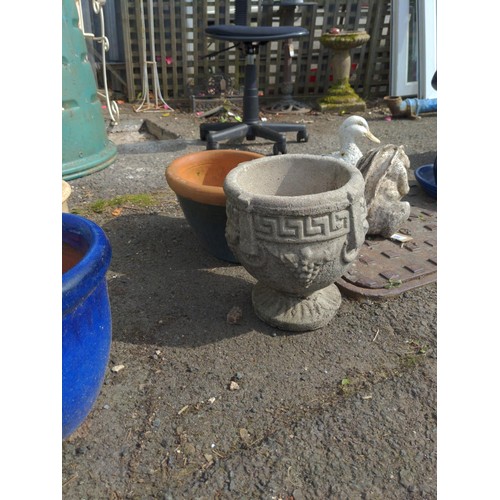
[(311, 202)]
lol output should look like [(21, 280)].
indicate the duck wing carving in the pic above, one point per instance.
[(385, 170)]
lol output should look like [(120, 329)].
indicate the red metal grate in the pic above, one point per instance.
[(386, 268)]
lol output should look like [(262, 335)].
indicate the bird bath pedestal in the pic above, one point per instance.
[(341, 96)]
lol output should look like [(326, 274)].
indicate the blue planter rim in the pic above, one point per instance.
[(79, 281)]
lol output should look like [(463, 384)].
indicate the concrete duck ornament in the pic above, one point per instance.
[(385, 171), (352, 129)]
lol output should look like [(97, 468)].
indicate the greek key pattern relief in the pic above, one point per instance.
[(301, 229)]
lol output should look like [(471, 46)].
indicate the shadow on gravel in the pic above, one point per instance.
[(419, 159), (165, 289), (165, 146), (178, 145)]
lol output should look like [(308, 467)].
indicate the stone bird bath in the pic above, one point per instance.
[(341, 97)]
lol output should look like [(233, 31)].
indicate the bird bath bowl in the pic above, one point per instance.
[(345, 40), (197, 181), (341, 97), (296, 223), (86, 317)]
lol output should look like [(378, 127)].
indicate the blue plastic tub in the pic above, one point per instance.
[(86, 318), (426, 177)]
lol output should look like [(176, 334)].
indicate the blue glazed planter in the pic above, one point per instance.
[(86, 318)]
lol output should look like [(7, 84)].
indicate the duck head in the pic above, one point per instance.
[(355, 127)]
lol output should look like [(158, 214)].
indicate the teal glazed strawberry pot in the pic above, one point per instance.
[(86, 317)]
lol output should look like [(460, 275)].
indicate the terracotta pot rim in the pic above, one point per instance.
[(201, 193)]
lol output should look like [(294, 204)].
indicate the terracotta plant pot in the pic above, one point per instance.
[(86, 317), (197, 180), (296, 223)]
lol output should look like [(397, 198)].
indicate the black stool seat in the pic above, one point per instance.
[(261, 34), (249, 39)]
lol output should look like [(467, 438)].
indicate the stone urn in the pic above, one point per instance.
[(341, 97), (296, 222)]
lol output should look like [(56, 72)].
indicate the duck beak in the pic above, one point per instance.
[(372, 138)]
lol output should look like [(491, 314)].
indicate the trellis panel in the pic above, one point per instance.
[(191, 64)]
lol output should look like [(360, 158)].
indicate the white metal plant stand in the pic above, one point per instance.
[(97, 6), (146, 104)]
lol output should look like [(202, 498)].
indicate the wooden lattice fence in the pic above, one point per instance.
[(182, 48)]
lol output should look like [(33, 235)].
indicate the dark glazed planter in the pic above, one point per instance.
[(86, 318), (197, 181)]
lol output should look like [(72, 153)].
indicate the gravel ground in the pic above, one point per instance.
[(204, 409)]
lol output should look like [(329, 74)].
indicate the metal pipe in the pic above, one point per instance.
[(410, 107)]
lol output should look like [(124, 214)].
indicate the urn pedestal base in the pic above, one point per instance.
[(295, 313)]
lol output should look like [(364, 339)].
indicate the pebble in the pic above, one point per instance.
[(189, 449), (244, 435), (406, 478), (233, 386), (234, 316)]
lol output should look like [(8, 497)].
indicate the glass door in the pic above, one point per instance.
[(427, 48), (413, 48)]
